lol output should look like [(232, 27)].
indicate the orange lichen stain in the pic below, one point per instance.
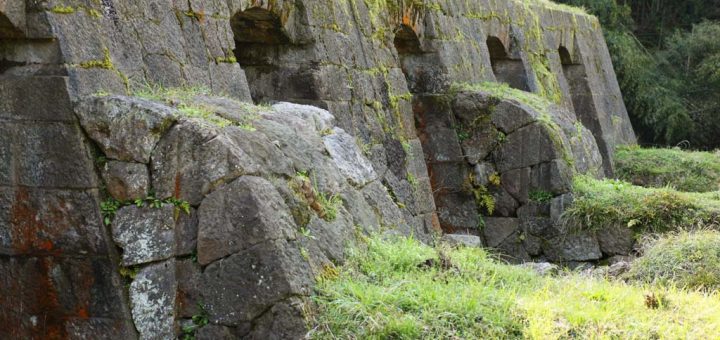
[(178, 186), (47, 303), (46, 245), (24, 224), (83, 313)]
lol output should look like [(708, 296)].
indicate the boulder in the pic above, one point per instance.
[(145, 234), (462, 240), (126, 181), (240, 215), (125, 128), (616, 239), (152, 298), (574, 247), (542, 268), (347, 157), (498, 229), (194, 158)]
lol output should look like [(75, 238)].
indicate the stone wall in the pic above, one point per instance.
[(72, 141)]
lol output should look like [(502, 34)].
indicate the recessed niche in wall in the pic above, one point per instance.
[(275, 68), (582, 99), (507, 69)]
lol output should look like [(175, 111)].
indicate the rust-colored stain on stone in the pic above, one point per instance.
[(178, 185), (30, 234)]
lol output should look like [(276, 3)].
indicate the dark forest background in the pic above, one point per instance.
[(667, 57)]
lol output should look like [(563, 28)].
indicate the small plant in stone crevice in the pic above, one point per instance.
[(199, 320), (482, 195), (109, 207), (129, 272), (324, 204), (183, 99), (541, 196)]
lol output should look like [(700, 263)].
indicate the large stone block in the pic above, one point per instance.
[(65, 298), (50, 155), (244, 213), (125, 128), (152, 298), (126, 181), (194, 158), (145, 234), (497, 230), (35, 98), (581, 246), (348, 158), (242, 287), (46, 221), (528, 146)]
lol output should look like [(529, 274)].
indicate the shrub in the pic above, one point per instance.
[(682, 170), (686, 259)]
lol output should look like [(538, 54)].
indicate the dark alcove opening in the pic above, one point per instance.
[(275, 68), (507, 69), (582, 100)]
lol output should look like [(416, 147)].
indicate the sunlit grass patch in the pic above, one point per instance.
[(683, 170), (401, 289)]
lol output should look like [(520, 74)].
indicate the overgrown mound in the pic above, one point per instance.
[(686, 259), (682, 170), (601, 203), (401, 289)]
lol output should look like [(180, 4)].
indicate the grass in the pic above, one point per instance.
[(182, 98), (688, 260), (401, 289), (683, 170), (599, 203)]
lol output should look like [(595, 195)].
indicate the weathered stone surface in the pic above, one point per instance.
[(348, 158), (145, 234), (194, 158), (188, 298), (542, 268), (47, 221), (319, 118), (528, 146), (497, 230), (214, 332), (240, 215), (256, 279), (125, 128), (186, 231), (126, 181), (573, 247), (67, 297), (462, 240), (285, 320), (509, 116), (616, 239), (152, 297)]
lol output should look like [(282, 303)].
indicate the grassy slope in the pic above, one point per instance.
[(381, 293), (685, 259), (600, 203), (685, 171)]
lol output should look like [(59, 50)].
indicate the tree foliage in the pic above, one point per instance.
[(668, 64)]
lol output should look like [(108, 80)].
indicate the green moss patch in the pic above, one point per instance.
[(400, 289), (683, 170)]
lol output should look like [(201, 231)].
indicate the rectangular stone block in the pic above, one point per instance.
[(42, 222), (51, 155), (35, 98)]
